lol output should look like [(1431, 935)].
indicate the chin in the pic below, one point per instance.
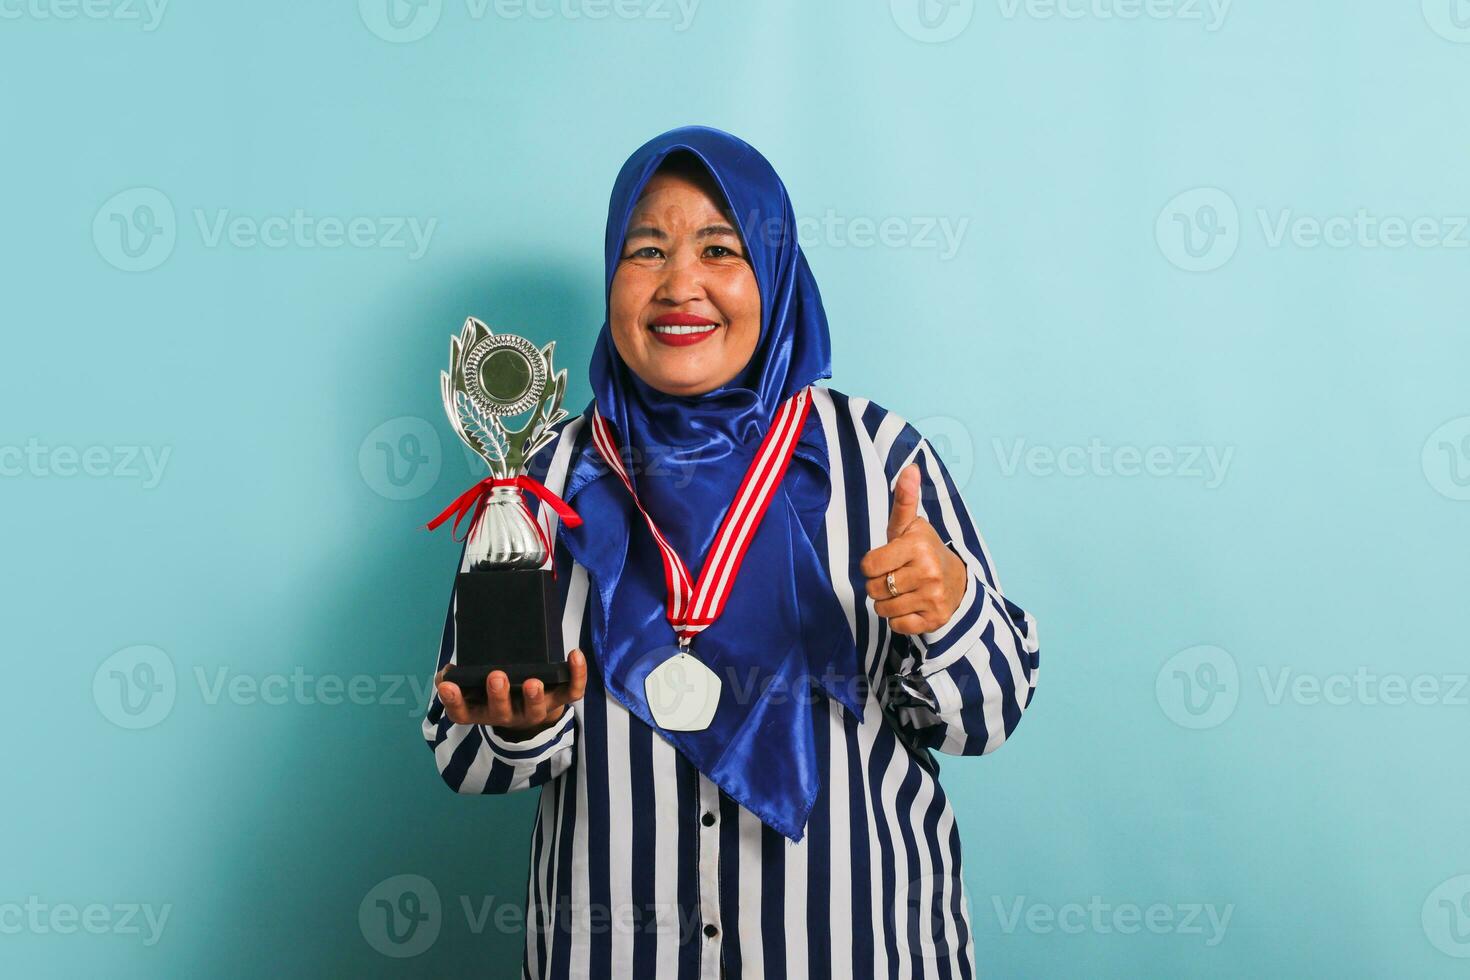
[(683, 386)]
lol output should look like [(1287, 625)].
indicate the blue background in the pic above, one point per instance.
[(293, 385)]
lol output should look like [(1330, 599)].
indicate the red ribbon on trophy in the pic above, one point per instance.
[(474, 499)]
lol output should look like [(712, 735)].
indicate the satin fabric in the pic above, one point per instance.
[(783, 641)]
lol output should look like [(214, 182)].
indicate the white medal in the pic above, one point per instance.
[(683, 692)]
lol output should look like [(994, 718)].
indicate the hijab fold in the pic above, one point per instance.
[(783, 645)]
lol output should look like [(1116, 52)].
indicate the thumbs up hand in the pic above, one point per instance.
[(917, 580)]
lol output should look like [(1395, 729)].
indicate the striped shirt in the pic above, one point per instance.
[(641, 866)]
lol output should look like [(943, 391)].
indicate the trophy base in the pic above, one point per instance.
[(507, 619), (471, 680)]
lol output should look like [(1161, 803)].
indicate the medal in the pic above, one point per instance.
[(683, 692)]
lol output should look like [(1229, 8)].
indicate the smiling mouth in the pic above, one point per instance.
[(682, 329)]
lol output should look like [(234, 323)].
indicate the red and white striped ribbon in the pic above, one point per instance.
[(694, 605)]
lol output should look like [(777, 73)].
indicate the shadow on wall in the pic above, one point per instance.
[(352, 798)]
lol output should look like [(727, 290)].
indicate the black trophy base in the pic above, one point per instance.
[(507, 619)]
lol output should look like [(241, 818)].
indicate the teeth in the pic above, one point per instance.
[(683, 328)]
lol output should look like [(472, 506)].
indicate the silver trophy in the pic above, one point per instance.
[(507, 611)]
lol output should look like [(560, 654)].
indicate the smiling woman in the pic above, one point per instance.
[(738, 781), (685, 309)]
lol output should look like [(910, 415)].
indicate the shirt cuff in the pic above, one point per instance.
[(539, 746), (941, 647)]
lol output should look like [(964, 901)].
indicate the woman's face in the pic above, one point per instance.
[(685, 310)]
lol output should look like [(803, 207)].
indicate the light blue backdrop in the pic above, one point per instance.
[(1178, 289)]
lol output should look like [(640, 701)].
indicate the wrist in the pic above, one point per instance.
[(511, 733)]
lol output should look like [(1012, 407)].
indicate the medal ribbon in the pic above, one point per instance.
[(694, 605)]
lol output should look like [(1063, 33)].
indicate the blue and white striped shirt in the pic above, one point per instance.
[(642, 867)]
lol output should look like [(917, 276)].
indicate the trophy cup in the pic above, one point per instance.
[(507, 613)]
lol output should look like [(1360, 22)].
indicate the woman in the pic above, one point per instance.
[(792, 822)]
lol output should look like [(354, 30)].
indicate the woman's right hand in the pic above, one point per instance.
[(515, 716)]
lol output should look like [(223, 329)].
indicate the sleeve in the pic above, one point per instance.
[(961, 688), (474, 758)]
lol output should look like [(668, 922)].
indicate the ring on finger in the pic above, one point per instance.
[(892, 585)]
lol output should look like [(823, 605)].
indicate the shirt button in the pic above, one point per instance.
[(711, 931), (709, 819)]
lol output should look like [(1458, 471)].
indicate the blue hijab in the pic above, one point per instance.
[(784, 638)]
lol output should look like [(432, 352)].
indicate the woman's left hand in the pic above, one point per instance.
[(929, 578)]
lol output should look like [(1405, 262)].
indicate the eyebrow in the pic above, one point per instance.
[(708, 231)]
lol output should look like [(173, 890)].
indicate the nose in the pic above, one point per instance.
[(682, 282)]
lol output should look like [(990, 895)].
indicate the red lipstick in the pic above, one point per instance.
[(682, 329)]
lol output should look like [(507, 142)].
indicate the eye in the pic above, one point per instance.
[(646, 252), (721, 252)]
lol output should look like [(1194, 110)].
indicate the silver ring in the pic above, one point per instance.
[(892, 585)]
